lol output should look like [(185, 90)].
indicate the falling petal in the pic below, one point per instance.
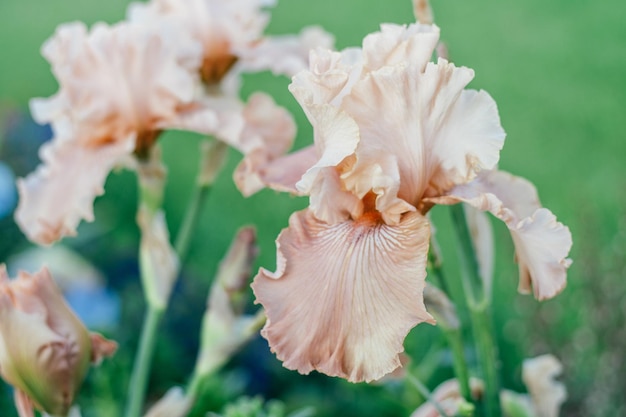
[(60, 193), (344, 296), (541, 242)]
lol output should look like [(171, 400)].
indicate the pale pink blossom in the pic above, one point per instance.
[(233, 42), (45, 350), (393, 134), (119, 87), (232, 34)]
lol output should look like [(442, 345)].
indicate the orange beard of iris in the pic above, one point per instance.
[(215, 67), (370, 216), (144, 142)]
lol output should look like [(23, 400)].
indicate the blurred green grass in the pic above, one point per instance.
[(558, 72)]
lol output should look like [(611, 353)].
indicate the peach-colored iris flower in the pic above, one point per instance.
[(232, 40), (394, 134), (121, 85)]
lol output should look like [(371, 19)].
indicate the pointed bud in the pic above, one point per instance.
[(224, 328), (158, 259), (45, 350), (442, 309), (482, 238)]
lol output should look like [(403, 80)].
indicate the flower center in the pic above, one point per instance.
[(370, 215), (144, 141), (215, 67)]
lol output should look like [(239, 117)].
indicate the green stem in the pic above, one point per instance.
[(425, 393), (453, 335), (472, 282), (141, 367), (455, 340), (487, 357), (479, 306), (183, 238)]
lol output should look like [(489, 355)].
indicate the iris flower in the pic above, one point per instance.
[(171, 66), (119, 87), (394, 134), (232, 41)]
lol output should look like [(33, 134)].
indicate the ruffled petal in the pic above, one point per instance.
[(336, 138), (223, 28), (344, 296), (378, 173), (286, 54), (60, 193), (440, 134), (268, 133), (400, 45), (280, 174), (541, 242), (330, 77), (118, 79)]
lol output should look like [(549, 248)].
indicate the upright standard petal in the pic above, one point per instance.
[(222, 28), (440, 133), (541, 242), (400, 45), (60, 193), (344, 296)]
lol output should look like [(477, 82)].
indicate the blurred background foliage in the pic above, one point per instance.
[(558, 72)]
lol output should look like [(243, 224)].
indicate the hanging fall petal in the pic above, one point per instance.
[(541, 242), (344, 296)]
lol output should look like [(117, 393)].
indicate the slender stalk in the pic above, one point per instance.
[(425, 393), (488, 357), (212, 158), (472, 282), (141, 367), (453, 334), (479, 306), (185, 233), (455, 341), (151, 174)]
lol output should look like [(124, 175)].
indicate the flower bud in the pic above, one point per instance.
[(45, 350), (224, 327)]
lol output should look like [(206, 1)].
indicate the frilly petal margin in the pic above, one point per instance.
[(344, 296), (60, 193), (541, 242), (287, 54)]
